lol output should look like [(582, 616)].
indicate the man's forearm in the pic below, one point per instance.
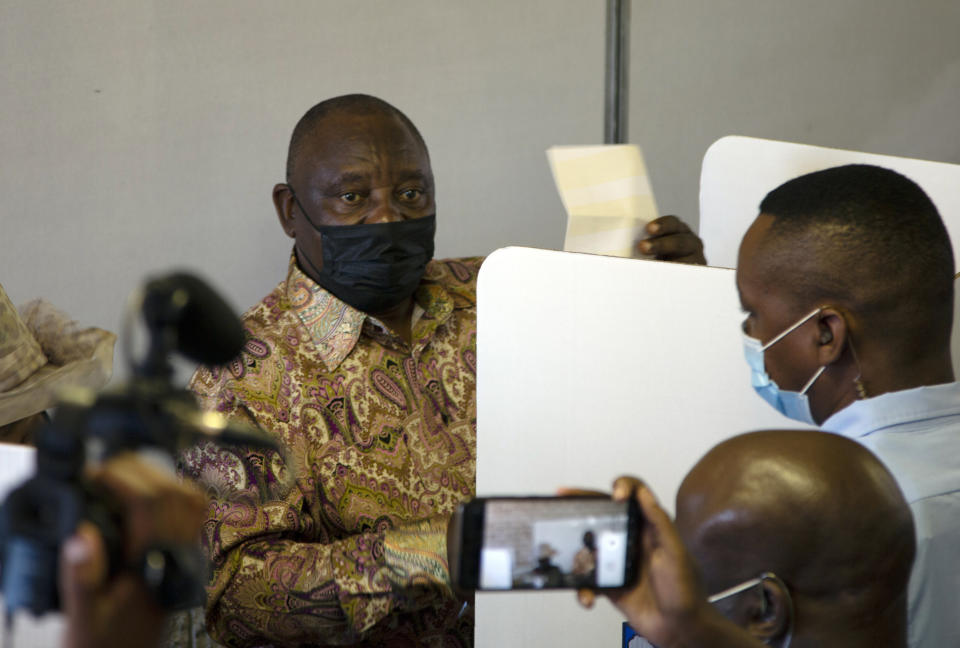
[(292, 592)]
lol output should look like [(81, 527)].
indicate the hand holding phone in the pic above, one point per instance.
[(667, 605)]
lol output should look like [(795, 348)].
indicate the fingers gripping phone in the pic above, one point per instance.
[(516, 543)]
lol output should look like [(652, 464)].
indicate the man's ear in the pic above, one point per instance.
[(832, 330), (283, 202), (771, 613)]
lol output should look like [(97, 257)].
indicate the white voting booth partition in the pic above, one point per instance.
[(590, 367), (17, 464), (738, 172)]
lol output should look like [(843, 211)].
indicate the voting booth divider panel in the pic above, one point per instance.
[(590, 367)]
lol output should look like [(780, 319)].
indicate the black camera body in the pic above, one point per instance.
[(41, 514), (182, 314)]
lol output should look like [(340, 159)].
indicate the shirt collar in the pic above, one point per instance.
[(335, 326), (437, 307), (862, 417)]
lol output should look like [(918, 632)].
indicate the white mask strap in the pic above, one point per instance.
[(811, 381), (792, 328)]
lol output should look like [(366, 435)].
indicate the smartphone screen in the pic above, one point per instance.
[(516, 543)]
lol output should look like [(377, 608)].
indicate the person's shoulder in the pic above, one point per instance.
[(264, 315), (457, 276), (214, 385), (463, 270)]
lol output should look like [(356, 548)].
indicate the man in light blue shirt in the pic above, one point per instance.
[(846, 278)]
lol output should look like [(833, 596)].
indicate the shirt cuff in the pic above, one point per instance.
[(416, 553)]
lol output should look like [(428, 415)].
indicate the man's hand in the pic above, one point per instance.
[(454, 541), (454, 527), (670, 239), (667, 606), (157, 508), (668, 593)]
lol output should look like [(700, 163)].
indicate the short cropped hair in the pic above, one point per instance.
[(870, 238), (357, 104)]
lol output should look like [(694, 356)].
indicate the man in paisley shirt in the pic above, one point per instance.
[(362, 362)]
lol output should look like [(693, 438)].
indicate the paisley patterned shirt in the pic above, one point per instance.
[(342, 540)]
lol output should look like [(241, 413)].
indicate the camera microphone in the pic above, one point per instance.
[(182, 314), (185, 314)]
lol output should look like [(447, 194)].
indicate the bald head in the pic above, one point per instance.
[(352, 104), (817, 509), (865, 239)]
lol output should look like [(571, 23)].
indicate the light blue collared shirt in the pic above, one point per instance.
[(916, 433)]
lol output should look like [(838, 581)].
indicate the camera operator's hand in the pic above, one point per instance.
[(668, 595), (667, 606), (120, 611)]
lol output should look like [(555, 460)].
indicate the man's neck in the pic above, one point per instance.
[(876, 622), (399, 319), (890, 635), (922, 372), (877, 379)]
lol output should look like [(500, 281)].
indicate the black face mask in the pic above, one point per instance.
[(373, 266)]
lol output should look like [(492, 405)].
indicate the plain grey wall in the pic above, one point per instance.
[(137, 136)]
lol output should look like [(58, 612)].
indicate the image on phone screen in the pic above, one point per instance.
[(548, 543)]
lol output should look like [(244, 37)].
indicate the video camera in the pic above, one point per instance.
[(182, 314)]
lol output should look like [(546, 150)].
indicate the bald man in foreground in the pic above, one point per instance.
[(802, 538)]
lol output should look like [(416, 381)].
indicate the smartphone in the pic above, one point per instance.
[(532, 543)]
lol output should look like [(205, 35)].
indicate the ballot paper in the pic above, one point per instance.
[(606, 193)]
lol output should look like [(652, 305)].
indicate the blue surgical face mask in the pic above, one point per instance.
[(794, 405)]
